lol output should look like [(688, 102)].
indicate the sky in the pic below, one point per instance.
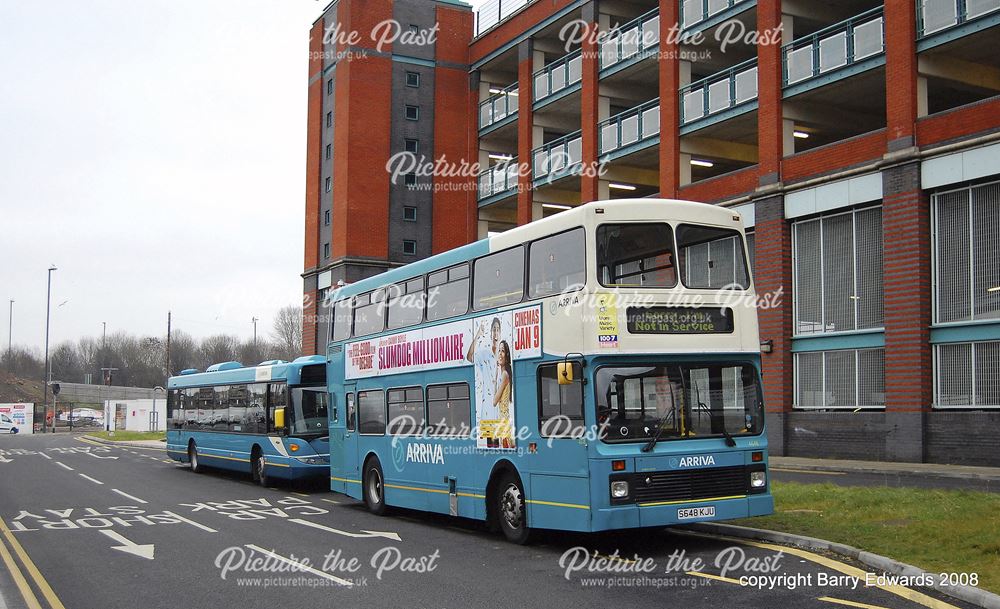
[(154, 152)]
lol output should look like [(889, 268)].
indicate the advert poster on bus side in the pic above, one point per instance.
[(490, 343)]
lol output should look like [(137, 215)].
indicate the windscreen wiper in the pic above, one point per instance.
[(659, 424)]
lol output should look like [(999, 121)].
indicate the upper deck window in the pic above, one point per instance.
[(369, 313), (712, 258), (499, 279), (557, 264), (406, 303), (448, 293), (342, 319), (636, 255)]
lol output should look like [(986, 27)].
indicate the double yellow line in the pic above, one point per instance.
[(23, 585)]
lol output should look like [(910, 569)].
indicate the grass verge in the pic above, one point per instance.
[(942, 531), (130, 435)]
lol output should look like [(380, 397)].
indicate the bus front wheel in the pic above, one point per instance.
[(193, 458), (259, 466), (511, 509), (374, 487)]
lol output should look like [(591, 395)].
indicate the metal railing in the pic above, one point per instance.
[(493, 12), (934, 16), (629, 127), (498, 107), (498, 179), (718, 92), (834, 47), (631, 39), (556, 76), (694, 12), (558, 156)]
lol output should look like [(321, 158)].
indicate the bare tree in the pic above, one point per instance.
[(287, 332)]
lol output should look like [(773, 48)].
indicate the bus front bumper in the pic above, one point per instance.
[(674, 513)]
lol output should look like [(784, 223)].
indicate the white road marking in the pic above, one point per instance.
[(99, 457), (321, 527), (63, 465), (191, 522), (46, 456), (300, 566), (94, 480), (130, 547), (330, 501), (124, 494)]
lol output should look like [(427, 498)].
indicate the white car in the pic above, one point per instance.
[(7, 425)]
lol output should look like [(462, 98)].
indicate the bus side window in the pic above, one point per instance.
[(560, 407), (350, 412), (371, 412), (277, 398)]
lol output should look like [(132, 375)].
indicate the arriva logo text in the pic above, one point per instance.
[(698, 461), (424, 453)]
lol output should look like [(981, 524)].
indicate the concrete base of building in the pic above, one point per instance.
[(948, 437)]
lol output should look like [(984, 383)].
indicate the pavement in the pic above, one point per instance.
[(89, 525)]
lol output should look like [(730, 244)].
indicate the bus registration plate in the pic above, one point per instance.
[(698, 512)]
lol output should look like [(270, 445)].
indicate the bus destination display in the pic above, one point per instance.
[(679, 320)]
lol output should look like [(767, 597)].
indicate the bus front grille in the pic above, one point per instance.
[(689, 484)]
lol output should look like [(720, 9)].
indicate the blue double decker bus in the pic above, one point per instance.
[(268, 420), (595, 370)]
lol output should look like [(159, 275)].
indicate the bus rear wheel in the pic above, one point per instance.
[(511, 510), (193, 458), (258, 466), (373, 487)]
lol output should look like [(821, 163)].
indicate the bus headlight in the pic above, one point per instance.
[(758, 479), (313, 460), (619, 489)]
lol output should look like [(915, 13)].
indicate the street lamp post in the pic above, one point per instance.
[(10, 335), (45, 383)]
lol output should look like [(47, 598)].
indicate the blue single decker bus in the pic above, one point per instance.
[(269, 420)]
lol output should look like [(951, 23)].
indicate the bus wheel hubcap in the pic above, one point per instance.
[(511, 506), (375, 487)]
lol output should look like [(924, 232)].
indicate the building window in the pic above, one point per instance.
[(413, 79), (412, 112), (967, 375), (414, 28), (329, 119), (410, 180), (410, 213), (328, 186), (837, 266), (329, 151), (329, 87), (409, 247), (849, 378), (326, 250), (412, 145), (966, 250), (326, 218)]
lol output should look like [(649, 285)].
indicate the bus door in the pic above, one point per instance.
[(344, 439)]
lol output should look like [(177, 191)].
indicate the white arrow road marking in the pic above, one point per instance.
[(5, 459), (300, 566), (385, 534), (46, 456), (63, 465), (129, 547), (99, 457), (133, 498)]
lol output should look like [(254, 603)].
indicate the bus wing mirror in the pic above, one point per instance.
[(564, 372), (279, 418)]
